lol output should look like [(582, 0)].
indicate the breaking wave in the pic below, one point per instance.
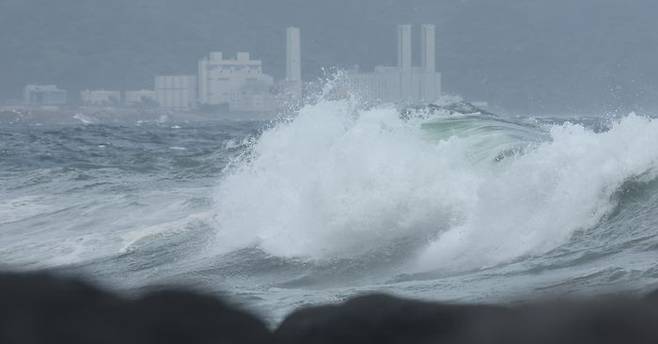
[(441, 191)]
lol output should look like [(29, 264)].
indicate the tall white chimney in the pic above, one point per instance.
[(428, 48), (293, 54), (404, 47)]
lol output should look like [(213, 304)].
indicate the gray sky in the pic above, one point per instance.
[(525, 56)]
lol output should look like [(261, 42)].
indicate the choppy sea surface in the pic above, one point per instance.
[(338, 201)]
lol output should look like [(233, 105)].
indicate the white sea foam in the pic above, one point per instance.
[(340, 182), (537, 201)]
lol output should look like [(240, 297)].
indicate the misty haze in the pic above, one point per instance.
[(287, 153)]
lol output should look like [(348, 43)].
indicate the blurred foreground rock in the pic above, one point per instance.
[(39, 308)]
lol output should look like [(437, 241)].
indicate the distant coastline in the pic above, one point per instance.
[(17, 115)]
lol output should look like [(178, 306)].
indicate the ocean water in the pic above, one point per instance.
[(337, 201)]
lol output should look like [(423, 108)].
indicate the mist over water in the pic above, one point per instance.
[(241, 148), (339, 200)]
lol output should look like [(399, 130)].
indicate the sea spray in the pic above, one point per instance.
[(341, 182), (537, 200)]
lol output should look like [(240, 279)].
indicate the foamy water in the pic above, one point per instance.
[(339, 183), (338, 200)]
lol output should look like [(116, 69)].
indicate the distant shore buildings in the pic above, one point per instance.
[(44, 95), (404, 83), (235, 84), (100, 98), (140, 98), (177, 92), (238, 83), (222, 83)]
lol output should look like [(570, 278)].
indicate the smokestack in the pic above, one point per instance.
[(404, 47), (293, 54), (428, 48)]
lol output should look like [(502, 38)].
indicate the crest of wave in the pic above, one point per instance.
[(535, 202), (339, 182)]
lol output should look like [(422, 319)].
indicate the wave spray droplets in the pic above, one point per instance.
[(444, 192)]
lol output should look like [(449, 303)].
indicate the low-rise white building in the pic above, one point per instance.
[(44, 95), (176, 91), (239, 83), (100, 98), (139, 98)]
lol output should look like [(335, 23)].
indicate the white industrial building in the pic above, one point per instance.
[(139, 98), (404, 83), (44, 95), (100, 97), (178, 92), (237, 82)]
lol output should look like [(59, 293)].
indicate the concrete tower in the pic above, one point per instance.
[(404, 47), (404, 63), (428, 48), (203, 80), (293, 54)]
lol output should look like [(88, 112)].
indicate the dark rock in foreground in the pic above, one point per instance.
[(43, 309), (38, 308), (387, 320)]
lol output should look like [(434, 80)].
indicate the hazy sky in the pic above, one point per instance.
[(526, 56)]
